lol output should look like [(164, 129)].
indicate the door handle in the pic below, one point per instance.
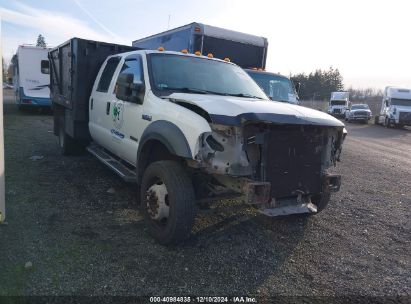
[(108, 108)]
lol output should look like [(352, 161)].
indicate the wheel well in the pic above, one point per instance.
[(153, 150)]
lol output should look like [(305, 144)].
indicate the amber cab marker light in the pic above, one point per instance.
[(227, 59), (210, 55), (198, 53), (184, 51), (255, 69), (197, 29), (160, 49)]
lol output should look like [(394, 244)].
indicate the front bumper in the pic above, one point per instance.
[(258, 195), (359, 117)]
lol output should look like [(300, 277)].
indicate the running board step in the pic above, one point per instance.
[(289, 209), (123, 171)]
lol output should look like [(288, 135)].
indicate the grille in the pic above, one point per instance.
[(294, 157), (405, 117), (337, 111), (360, 113)]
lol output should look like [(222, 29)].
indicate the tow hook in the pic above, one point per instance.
[(257, 193), (332, 182)]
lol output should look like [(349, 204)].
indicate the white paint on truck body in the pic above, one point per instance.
[(158, 109), (123, 139), (395, 107)]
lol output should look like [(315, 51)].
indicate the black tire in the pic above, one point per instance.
[(67, 144), (180, 199), (321, 201), (387, 122), (376, 120)]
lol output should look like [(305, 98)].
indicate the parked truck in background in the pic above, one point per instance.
[(339, 102), (247, 51), (188, 129), (276, 86), (395, 108), (31, 77)]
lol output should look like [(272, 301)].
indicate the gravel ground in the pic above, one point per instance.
[(83, 240)]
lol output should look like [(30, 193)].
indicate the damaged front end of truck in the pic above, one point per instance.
[(280, 168)]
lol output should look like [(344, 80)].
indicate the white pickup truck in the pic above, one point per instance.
[(187, 128)]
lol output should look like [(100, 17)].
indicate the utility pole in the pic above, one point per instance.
[(2, 189), (168, 24)]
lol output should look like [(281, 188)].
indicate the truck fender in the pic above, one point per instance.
[(169, 135)]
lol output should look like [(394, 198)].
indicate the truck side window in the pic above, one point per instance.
[(107, 74), (133, 66), (45, 69)]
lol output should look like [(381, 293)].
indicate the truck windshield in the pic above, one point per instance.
[(401, 102), (277, 87), (337, 102), (175, 73)]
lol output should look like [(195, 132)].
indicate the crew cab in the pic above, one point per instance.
[(187, 129), (358, 112)]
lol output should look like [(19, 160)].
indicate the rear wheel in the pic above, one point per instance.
[(168, 202)]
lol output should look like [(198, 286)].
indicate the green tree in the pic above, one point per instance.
[(41, 42), (319, 84)]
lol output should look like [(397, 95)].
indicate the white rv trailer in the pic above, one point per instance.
[(31, 77)]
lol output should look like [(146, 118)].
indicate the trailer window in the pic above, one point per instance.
[(107, 75), (45, 67)]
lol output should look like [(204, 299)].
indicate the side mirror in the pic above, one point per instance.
[(128, 90), (297, 87), (387, 102)]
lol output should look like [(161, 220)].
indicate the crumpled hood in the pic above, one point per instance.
[(229, 110)]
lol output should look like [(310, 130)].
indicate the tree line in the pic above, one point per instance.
[(319, 84)]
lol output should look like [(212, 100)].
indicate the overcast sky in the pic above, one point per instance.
[(368, 41)]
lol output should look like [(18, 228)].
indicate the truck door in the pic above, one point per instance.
[(127, 123), (100, 105)]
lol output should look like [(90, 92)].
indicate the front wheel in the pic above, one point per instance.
[(168, 202), (387, 122), (321, 200)]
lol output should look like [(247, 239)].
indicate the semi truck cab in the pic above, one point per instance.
[(395, 108), (339, 103)]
